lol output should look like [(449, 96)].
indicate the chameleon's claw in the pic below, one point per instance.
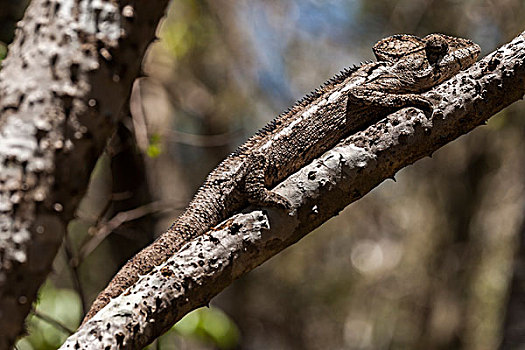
[(271, 199), (427, 106)]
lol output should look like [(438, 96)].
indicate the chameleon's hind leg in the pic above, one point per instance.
[(254, 185)]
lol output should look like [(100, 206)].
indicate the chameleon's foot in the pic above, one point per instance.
[(425, 105), (265, 197)]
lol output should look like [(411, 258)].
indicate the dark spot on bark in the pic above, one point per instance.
[(68, 105), (235, 228), (158, 303), (97, 17), (66, 39), (166, 272), (120, 339), (73, 72), (40, 134), (57, 8), (77, 345), (136, 328), (21, 99), (53, 60), (493, 63), (37, 28), (186, 283), (108, 326), (311, 175)]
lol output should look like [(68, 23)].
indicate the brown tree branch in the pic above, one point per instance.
[(66, 77), (319, 191)]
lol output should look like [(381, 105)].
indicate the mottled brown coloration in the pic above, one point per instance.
[(349, 102)]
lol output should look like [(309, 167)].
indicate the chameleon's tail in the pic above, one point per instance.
[(192, 223)]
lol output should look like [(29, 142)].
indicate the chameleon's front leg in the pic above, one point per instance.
[(366, 97)]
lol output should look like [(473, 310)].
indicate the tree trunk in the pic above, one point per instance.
[(62, 86)]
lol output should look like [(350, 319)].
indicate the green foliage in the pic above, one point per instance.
[(155, 146), (62, 305), (188, 27), (3, 50), (209, 325), (175, 38)]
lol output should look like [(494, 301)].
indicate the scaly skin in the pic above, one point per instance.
[(350, 101)]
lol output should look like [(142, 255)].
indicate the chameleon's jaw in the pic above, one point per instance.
[(472, 51), (460, 58)]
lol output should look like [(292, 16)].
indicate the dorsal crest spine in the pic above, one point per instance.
[(306, 100)]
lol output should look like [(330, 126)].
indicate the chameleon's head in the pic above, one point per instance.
[(435, 47), (434, 58)]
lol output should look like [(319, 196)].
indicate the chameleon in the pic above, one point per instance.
[(353, 99)]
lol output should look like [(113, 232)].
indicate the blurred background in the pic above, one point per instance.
[(426, 262)]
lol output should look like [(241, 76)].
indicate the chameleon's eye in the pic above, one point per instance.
[(436, 47)]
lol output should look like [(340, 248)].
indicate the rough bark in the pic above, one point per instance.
[(209, 263), (66, 77)]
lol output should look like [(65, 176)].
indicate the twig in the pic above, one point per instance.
[(104, 229), (75, 276), (53, 322)]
